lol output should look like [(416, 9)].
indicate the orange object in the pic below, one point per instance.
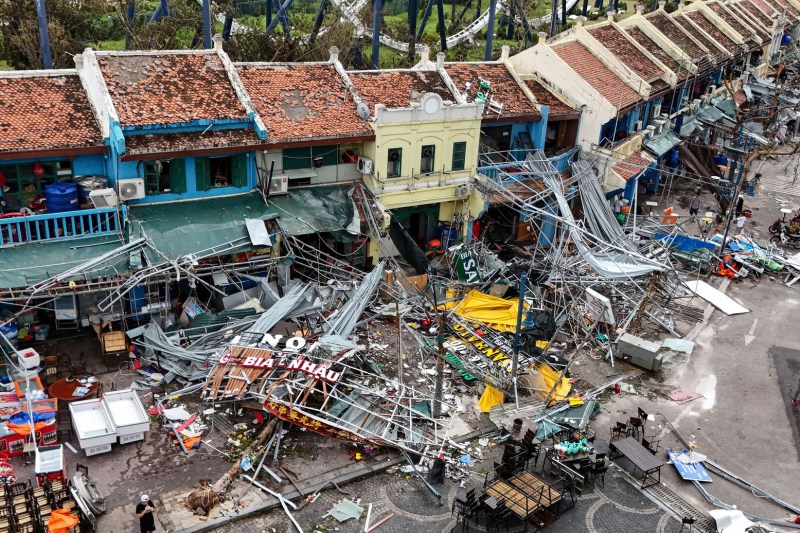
[(669, 217), (726, 267), (20, 386), (61, 520), (25, 429), (625, 210)]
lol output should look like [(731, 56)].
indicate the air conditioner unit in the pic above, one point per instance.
[(386, 220), (364, 165), (279, 185), (103, 198), (132, 189), (462, 191), (648, 131), (638, 125)]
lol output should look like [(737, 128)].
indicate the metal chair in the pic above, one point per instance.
[(635, 427), (599, 472), (619, 431), (649, 446), (687, 521)]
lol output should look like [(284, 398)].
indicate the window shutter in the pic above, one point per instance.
[(202, 170), (177, 176), (239, 171)]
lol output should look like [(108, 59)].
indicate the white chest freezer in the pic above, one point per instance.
[(92, 422), (127, 414)]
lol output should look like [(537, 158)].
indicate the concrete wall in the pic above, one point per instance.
[(546, 64), (325, 175)]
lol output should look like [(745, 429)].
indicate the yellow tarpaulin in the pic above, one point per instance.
[(543, 378), (490, 398), (492, 311)]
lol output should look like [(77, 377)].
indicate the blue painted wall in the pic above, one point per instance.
[(135, 169), (94, 164)]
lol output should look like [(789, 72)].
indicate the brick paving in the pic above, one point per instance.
[(618, 506)]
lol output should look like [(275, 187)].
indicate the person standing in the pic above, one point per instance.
[(740, 222), (739, 205), (144, 511), (97, 322), (694, 205)]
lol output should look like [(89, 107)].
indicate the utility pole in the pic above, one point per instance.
[(439, 385), (518, 337), (736, 151)]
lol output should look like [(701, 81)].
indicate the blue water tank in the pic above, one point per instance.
[(61, 197)]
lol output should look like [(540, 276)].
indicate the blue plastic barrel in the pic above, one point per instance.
[(61, 197)]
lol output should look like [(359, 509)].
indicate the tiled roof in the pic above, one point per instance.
[(557, 108), (183, 142), (656, 51), (626, 51), (668, 27), (740, 97), (45, 113), (596, 74), (302, 101), (713, 50), (504, 88), (631, 166), (750, 20), (756, 13), (718, 35), (169, 88), (728, 16), (657, 86), (787, 7), (765, 7), (398, 88)]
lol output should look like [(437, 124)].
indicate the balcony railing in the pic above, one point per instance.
[(19, 230)]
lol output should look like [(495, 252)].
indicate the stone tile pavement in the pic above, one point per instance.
[(617, 507)]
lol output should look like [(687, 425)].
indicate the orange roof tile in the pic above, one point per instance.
[(504, 88), (45, 113), (734, 22), (302, 101), (756, 13), (169, 88), (596, 74), (740, 97), (631, 166), (626, 51), (718, 35), (398, 88), (544, 96), (713, 51), (655, 50), (182, 142), (765, 7), (666, 25)]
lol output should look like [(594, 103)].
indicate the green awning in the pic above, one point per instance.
[(710, 114), (182, 228), (727, 106), (318, 210), (31, 263), (689, 127), (663, 143)]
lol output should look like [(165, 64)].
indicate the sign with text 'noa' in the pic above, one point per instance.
[(285, 357)]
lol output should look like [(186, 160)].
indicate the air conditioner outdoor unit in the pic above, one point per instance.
[(103, 198), (462, 191), (279, 185), (638, 125), (364, 165), (132, 189)]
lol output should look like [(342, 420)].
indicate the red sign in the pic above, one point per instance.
[(299, 364), (296, 417)]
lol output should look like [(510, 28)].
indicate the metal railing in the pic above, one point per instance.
[(20, 230)]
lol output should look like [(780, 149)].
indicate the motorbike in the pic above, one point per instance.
[(786, 238), (781, 224)]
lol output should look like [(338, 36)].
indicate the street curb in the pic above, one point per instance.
[(273, 503)]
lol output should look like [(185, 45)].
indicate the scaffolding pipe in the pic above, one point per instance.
[(206, 24), (490, 30)]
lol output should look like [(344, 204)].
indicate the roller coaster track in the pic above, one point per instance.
[(351, 10)]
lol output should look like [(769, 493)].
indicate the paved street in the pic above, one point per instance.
[(617, 506)]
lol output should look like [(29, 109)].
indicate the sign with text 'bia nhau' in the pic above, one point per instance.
[(286, 358), (466, 266)]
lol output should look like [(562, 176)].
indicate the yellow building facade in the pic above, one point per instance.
[(423, 167)]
